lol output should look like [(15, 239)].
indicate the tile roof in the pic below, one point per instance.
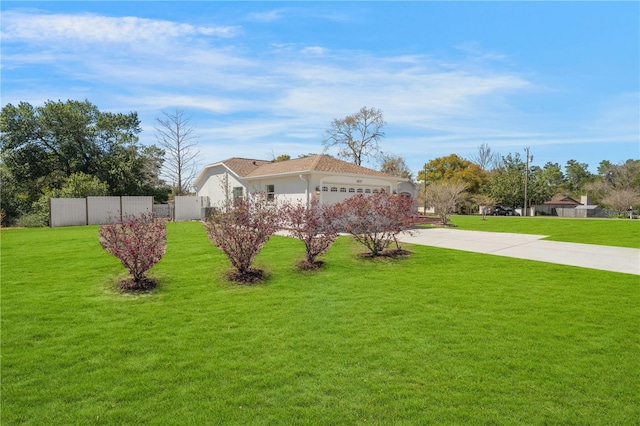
[(250, 168), (243, 166)]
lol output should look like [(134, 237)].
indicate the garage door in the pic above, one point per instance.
[(332, 193)]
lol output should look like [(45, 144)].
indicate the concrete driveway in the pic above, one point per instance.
[(532, 247)]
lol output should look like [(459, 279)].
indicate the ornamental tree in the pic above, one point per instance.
[(240, 228), (139, 242), (444, 197), (376, 220), (315, 225)]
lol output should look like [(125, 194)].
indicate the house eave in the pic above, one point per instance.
[(325, 173)]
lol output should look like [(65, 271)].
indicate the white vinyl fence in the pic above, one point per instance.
[(95, 210), (67, 212), (100, 210), (189, 207)]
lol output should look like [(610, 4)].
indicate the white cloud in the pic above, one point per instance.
[(269, 16), (285, 95), (87, 28)]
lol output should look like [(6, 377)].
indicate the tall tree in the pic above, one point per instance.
[(454, 169), (613, 181), (356, 136), (486, 158), (506, 184), (577, 175), (175, 135), (395, 165), (621, 176), (42, 146)]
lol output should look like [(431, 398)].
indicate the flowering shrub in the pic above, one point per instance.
[(139, 242), (316, 225), (375, 220), (241, 228)]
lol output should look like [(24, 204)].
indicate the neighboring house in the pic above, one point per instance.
[(320, 176), (557, 202), (568, 207)]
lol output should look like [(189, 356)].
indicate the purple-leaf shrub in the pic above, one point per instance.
[(139, 242), (316, 225), (375, 220), (241, 228)]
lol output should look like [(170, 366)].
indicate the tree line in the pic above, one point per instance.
[(72, 149), (487, 178)]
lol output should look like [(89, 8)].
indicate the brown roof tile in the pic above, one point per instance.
[(562, 199), (243, 166), (315, 163)]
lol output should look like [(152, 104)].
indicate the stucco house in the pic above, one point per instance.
[(319, 176)]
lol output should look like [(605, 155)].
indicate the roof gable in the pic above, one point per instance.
[(562, 199)]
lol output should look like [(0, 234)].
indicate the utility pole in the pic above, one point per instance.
[(424, 177), (525, 211)]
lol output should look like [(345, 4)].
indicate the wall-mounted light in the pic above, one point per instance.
[(317, 190)]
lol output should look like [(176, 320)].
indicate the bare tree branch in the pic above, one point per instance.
[(356, 136), (175, 135)]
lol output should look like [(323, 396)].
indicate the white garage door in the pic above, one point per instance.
[(335, 193)]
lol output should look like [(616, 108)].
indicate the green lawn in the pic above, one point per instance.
[(441, 337), (607, 232)]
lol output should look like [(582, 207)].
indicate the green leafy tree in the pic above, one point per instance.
[(282, 157), (614, 183), (620, 176), (42, 146), (78, 185), (577, 176), (506, 184), (544, 183), (455, 169)]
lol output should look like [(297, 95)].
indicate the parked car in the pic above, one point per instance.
[(504, 211)]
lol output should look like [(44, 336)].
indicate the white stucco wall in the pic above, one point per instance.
[(217, 184), (290, 188), (299, 188)]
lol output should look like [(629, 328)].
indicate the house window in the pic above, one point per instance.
[(237, 192), (367, 191), (359, 190), (352, 190), (343, 189), (271, 192), (334, 189), (375, 191), (325, 188)]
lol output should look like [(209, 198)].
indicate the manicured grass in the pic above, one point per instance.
[(441, 337), (607, 232)]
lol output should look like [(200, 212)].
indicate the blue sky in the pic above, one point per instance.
[(260, 79)]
